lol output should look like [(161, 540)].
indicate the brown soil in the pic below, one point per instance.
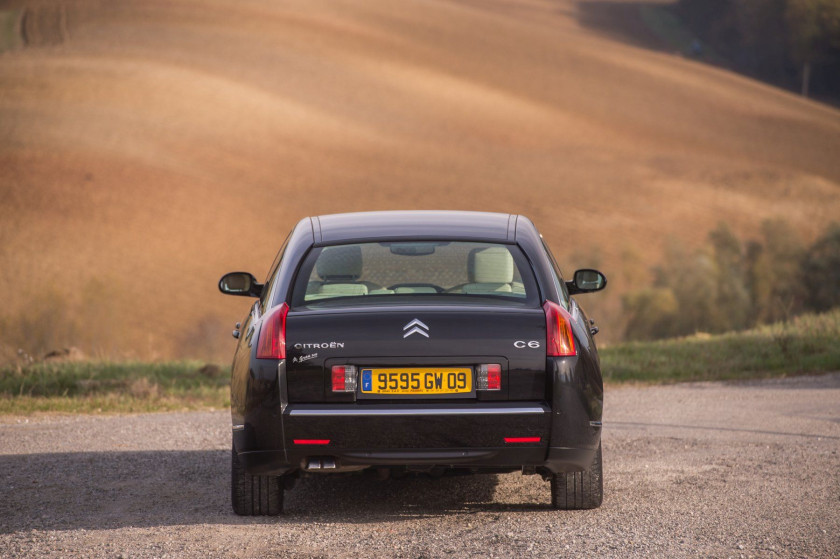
[(148, 147)]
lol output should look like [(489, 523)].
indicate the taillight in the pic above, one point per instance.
[(488, 377), (560, 341), (343, 378), (272, 342)]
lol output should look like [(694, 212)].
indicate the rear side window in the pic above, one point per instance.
[(557, 277), (272, 273), (415, 272)]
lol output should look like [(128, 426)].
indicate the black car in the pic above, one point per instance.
[(415, 341)]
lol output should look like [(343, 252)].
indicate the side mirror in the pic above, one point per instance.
[(240, 283), (587, 281)]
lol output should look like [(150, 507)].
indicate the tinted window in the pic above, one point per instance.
[(427, 271)]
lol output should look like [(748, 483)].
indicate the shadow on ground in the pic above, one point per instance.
[(65, 491)]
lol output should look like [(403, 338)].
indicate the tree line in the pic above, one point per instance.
[(793, 43), (729, 285)]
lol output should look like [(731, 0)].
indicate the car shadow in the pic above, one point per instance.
[(106, 490)]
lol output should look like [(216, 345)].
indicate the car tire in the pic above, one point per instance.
[(254, 495), (579, 490)]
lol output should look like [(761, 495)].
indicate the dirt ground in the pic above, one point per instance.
[(146, 148), (711, 470)]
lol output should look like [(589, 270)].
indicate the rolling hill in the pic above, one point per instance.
[(148, 147)]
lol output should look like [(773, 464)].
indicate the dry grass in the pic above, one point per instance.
[(147, 148), (806, 344), (101, 386)]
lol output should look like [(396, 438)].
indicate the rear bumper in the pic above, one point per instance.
[(452, 435), (460, 434), (555, 460)]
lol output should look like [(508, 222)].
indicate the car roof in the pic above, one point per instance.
[(419, 224)]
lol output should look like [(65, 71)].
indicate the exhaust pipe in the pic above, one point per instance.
[(328, 464)]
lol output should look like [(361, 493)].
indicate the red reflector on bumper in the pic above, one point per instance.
[(522, 439), (311, 441)]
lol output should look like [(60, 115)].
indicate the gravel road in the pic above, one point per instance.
[(713, 470)]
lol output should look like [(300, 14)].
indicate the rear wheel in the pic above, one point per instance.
[(254, 495), (579, 490)]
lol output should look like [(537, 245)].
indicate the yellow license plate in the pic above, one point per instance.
[(442, 380)]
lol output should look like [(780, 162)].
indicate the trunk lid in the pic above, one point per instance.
[(417, 336)]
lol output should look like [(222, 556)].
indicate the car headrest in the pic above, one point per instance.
[(340, 263), (490, 265)]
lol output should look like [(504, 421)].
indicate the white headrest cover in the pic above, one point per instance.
[(340, 263), (490, 265)]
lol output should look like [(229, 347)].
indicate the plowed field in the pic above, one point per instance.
[(147, 147)]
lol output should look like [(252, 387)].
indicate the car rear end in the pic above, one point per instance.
[(420, 355), (460, 396)]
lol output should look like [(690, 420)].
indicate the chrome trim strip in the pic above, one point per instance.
[(595, 424), (414, 411), (238, 427)]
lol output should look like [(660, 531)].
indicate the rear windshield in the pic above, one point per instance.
[(415, 272)]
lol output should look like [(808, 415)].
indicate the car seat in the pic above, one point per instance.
[(339, 269), (490, 270)]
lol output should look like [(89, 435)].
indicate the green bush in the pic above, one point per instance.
[(821, 271), (723, 286)]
